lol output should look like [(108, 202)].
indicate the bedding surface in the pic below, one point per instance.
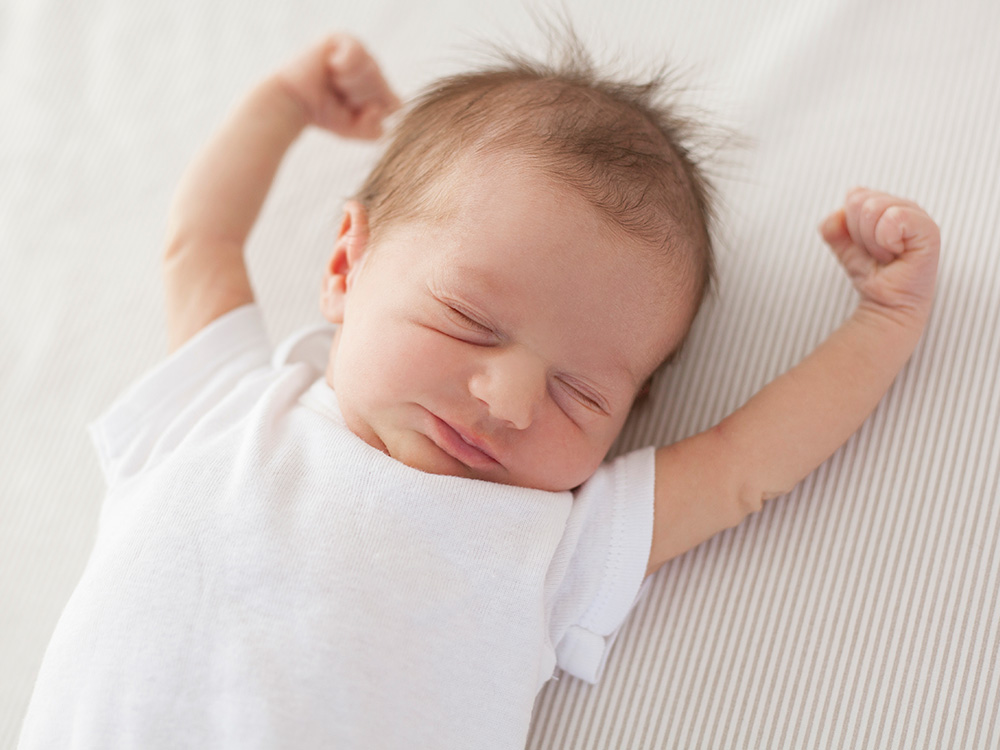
[(859, 611)]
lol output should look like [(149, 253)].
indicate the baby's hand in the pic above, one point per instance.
[(889, 248), (340, 87)]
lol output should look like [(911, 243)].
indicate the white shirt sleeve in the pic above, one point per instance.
[(153, 415), (604, 553)]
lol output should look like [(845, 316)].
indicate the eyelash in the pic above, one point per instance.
[(581, 396), (462, 319)]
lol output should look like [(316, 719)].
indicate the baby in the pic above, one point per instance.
[(390, 533)]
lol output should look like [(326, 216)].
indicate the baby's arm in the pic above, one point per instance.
[(335, 85), (713, 480)]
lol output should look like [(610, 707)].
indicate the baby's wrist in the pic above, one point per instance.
[(902, 322), (280, 98)]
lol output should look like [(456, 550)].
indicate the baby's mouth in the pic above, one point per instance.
[(460, 445)]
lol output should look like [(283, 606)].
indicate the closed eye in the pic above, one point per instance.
[(587, 400), (470, 330), (462, 319)]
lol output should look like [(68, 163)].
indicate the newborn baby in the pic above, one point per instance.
[(395, 542)]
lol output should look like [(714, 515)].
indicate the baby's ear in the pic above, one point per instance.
[(346, 260)]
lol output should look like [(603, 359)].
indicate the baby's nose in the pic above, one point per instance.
[(512, 384)]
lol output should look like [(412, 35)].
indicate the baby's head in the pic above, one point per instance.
[(533, 244)]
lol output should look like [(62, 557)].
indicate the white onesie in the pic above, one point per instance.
[(262, 577)]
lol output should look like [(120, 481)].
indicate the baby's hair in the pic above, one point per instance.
[(619, 143)]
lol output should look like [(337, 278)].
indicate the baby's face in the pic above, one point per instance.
[(506, 343)]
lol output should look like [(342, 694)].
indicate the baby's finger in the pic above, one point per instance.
[(870, 212), (856, 262), (852, 213), (357, 77), (865, 209), (369, 121), (857, 209), (906, 227), (834, 230), (347, 55)]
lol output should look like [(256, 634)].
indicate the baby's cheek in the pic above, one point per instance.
[(445, 366), (415, 358), (560, 456)]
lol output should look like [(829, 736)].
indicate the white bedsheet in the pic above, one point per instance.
[(861, 611)]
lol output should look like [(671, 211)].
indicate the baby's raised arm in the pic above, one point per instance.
[(335, 85), (713, 480)]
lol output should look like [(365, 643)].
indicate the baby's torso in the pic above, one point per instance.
[(278, 578)]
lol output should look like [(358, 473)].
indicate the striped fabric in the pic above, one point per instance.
[(860, 611)]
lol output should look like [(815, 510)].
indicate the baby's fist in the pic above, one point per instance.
[(889, 248), (340, 87)]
